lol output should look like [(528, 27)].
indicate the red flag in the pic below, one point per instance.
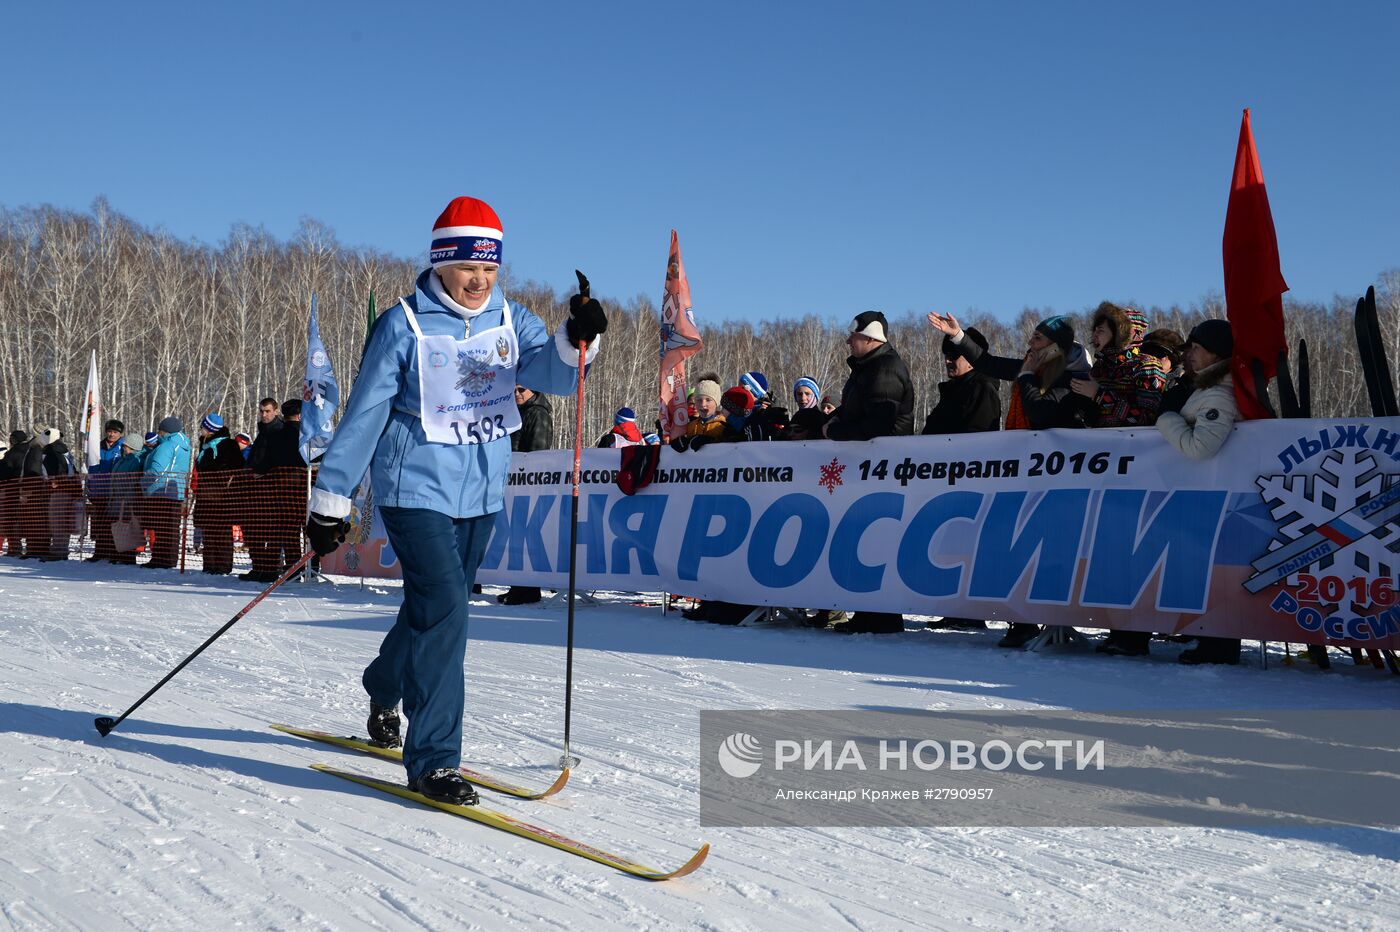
[(1254, 284), (680, 339)]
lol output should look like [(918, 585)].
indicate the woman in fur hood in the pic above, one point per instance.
[(1124, 388)]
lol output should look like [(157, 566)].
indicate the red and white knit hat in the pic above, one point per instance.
[(467, 231)]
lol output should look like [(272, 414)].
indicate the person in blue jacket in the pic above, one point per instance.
[(99, 490), (166, 471), (124, 490), (430, 417)]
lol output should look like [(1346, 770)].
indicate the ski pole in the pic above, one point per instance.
[(105, 724), (568, 761)]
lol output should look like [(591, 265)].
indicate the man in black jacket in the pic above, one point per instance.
[(21, 475), (258, 523), (536, 422), (61, 488), (536, 433), (878, 401), (289, 490), (968, 402)]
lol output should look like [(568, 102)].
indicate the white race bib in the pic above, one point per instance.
[(467, 387)]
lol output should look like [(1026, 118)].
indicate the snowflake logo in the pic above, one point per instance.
[(1302, 503), (474, 376), (831, 476)]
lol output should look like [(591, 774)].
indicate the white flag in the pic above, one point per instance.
[(92, 416)]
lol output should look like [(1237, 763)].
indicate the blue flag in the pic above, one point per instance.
[(320, 395)]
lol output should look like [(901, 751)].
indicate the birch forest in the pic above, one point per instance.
[(185, 328)]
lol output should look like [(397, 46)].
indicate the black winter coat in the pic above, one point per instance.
[(1178, 390), (57, 462), (966, 405), (1044, 408), (282, 447), (260, 454), (219, 467), (763, 424), (536, 426), (878, 400), (23, 459), (223, 456), (767, 423)]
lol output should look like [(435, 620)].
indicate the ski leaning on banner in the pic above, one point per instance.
[(430, 417)]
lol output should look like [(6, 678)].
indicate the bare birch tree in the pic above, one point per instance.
[(185, 328)]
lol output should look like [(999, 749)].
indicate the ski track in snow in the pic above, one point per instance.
[(193, 811)]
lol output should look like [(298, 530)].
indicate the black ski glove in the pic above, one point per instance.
[(681, 444), (586, 317), (325, 534)]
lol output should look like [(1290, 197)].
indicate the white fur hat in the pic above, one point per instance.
[(871, 324)]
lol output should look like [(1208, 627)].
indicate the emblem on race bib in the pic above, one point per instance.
[(503, 348), (474, 376), (437, 360)]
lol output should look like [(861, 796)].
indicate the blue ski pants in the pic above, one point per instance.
[(422, 657)]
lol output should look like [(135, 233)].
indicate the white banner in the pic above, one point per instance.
[(1288, 534)]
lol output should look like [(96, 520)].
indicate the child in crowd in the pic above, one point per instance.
[(625, 432), (806, 393), (709, 420)]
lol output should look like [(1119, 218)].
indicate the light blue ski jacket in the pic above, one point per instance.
[(167, 468), (381, 431)]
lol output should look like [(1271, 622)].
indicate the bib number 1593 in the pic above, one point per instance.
[(482, 431)]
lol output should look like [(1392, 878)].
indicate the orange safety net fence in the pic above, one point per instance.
[(215, 522)]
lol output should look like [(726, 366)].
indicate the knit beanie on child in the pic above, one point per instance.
[(708, 388), (810, 384), (756, 384)]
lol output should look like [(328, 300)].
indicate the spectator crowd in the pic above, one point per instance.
[(136, 497), (1127, 375)]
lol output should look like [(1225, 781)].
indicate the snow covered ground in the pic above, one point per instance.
[(195, 813)]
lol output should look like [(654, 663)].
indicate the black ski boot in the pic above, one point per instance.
[(446, 786), (383, 726), (520, 595), (1019, 634)]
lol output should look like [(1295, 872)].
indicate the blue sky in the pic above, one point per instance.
[(816, 158)]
